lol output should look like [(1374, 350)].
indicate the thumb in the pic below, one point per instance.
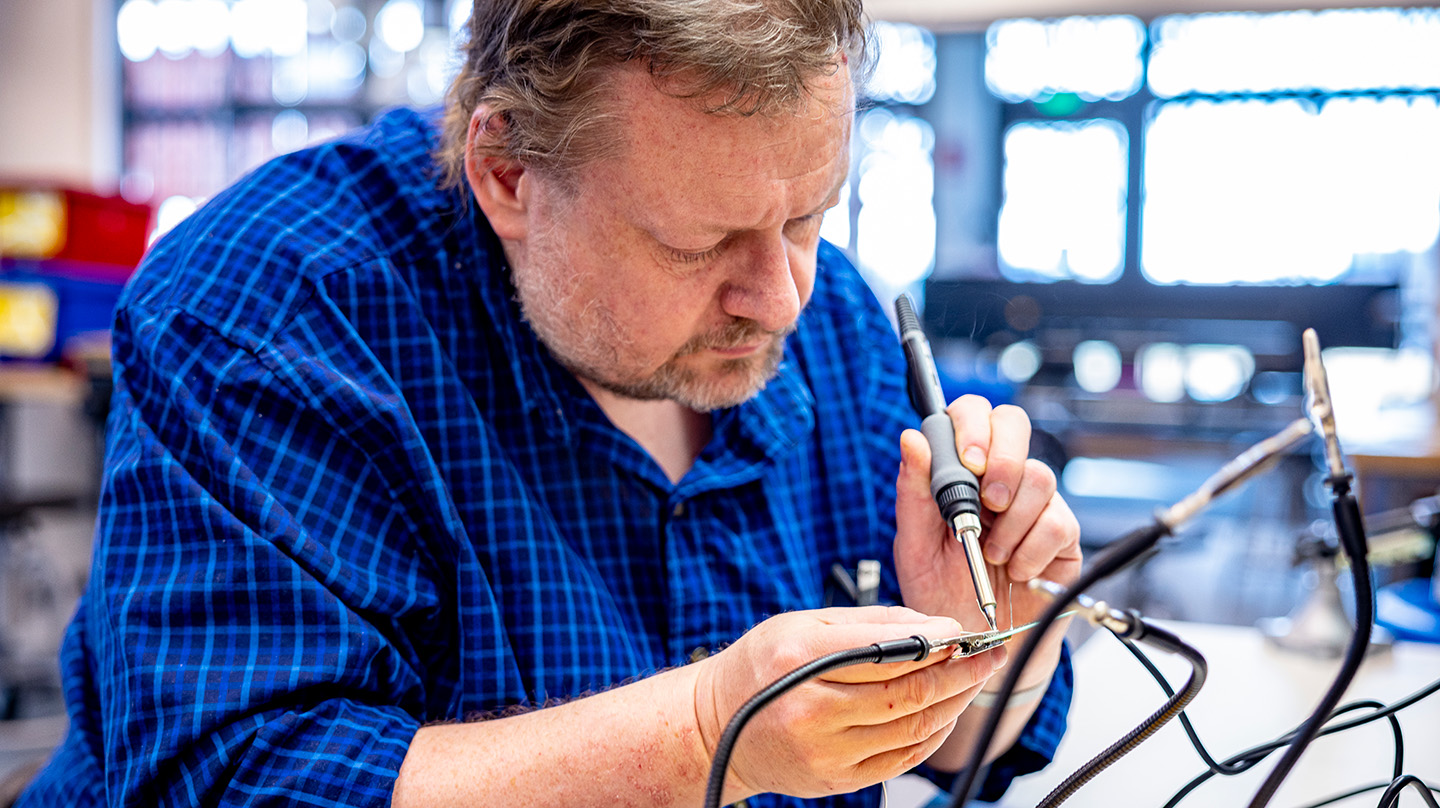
[(912, 486)]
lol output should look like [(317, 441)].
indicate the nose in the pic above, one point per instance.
[(763, 285)]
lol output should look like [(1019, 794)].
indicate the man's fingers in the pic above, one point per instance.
[(971, 416), (1008, 530), (877, 703), (1005, 461), (1031, 561)]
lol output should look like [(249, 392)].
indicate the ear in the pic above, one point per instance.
[(499, 184)]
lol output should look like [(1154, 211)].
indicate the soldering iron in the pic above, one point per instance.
[(955, 488)]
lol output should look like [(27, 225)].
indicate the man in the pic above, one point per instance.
[(386, 455)]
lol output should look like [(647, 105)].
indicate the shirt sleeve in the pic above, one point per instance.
[(258, 609)]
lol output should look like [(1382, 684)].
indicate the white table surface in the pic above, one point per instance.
[(1254, 693)]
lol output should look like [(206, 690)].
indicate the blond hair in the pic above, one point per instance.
[(539, 67)]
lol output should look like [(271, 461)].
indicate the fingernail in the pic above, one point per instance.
[(997, 496), (974, 459), (996, 555), (998, 657)]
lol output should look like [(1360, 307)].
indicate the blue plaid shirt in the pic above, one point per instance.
[(347, 493)]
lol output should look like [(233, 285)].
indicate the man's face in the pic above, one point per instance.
[(675, 270)]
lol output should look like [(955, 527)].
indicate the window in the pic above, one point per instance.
[(213, 88), (1278, 148)]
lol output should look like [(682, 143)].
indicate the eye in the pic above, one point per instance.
[(803, 225), (688, 257)]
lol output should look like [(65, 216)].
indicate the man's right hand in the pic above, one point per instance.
[(847, 729)]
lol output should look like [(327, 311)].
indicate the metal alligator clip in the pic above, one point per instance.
[(978, 642)]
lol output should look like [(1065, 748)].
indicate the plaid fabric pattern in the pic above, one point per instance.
[(347, 492)]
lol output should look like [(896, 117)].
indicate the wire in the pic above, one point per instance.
[(1216, 767), (1119, 554), (1352, 538), (1245, 765), (1174, 706), (913, 648), (1355, 792), (1392, 794), (1250, 757)]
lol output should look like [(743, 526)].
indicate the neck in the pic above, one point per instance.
[(672, 434)]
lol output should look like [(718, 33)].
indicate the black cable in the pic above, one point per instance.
[(1249, 758), (1174, 706), (1355, 792), (1215, 766), (1352, 538), (911, 649), (1225, 768), (1392, 794), (1119, 554)]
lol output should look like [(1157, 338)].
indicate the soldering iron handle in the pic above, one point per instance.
[(954, 487)]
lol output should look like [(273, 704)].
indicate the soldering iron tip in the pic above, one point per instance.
[(990, 615)]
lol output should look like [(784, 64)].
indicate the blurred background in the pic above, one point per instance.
[(1120, 215)]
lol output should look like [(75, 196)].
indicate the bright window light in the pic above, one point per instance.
[(1217, 372), (1020, 361), (289, 131), (1262, 191), (171, 212), (895, 228), (401, 23), (290, 81), (1328, 51), (1092, 57), (319, 17), (1365, 380), (210, 27), (905, 68), (835, 226), (136, 27), (1160, 371), (458, 18), (1118, 478), (1097, 365), (349, 24), (1063, 215), (174, 21)]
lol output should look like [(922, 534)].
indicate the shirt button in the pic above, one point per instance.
[(678, 510), (700, 652)]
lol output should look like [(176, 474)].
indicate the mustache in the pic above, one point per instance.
[(733, 335)]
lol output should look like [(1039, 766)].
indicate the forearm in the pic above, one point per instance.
[(635, 745)]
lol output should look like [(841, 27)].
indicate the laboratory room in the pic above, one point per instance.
[(903, 403)]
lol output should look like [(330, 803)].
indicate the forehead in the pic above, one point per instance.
[(724, 168)]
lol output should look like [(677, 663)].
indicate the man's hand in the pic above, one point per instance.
[(847, 729), (1028, 530)]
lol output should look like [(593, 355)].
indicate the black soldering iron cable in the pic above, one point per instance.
[(1119, 554), (1173, 707), (1392, 794), (913, 648), (1352, 538)]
